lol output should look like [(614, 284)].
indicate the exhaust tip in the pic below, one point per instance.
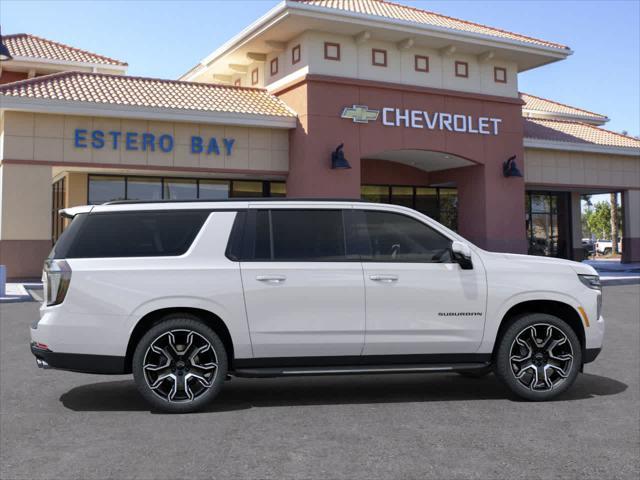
[(42, 364)]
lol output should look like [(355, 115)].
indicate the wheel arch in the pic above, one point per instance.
[(556, 308), (152, 318)]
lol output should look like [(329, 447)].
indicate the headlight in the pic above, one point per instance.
[(591, 281), (56, 278)]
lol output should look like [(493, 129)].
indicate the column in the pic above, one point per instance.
[(577, 252), (631, 239), (25, 218)]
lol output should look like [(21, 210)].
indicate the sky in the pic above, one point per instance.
[(166, 38)]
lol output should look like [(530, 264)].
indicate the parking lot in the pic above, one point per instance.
[(58, 424)]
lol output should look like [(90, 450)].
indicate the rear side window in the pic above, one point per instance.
[(131, 234), (393, 237), (283, 235)]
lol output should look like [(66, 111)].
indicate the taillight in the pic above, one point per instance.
[(56, 278)]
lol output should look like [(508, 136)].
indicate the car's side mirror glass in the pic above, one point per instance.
[(461, 254)]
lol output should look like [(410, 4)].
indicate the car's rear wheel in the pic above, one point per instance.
[(179, 364), (538, 356)]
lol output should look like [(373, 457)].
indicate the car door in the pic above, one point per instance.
[(418, 300), (304, 295)]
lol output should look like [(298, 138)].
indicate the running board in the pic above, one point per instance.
[(354, 369)]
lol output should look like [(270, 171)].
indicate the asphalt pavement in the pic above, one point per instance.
[(64, 425)]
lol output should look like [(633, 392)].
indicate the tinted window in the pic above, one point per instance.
[(392, 237), (316, 235), (295, 235), (131, 234)]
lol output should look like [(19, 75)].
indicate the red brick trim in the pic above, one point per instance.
[(500, 74), (254, 76), (295, 54), (374, 52), (273, 66), (314, 77), (159, 168), (462, 69), (416, 61), (328, 45)]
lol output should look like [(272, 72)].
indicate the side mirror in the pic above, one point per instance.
[(462, 255)]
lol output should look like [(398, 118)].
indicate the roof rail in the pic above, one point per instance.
[(238, 199)]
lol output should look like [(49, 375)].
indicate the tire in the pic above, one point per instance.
[(179, 365), (476, 373), (533, 371), (607, 251)]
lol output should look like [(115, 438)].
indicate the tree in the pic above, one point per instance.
[(614, 222), (598, 220)]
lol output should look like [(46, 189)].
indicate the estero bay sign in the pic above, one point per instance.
[(136, 141), (403, 117)]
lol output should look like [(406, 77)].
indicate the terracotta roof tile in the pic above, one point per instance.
[(545, 105), (395, 11), (27, 45), (575, 132), (148, 92)]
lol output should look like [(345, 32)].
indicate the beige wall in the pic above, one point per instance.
[(355, 62), (76, 189), (43, 137), (25, 201), (581, 169)]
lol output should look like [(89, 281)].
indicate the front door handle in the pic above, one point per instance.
[(384, 278), (271, 278)]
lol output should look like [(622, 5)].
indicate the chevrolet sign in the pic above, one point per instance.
[(397, 117), (360, 114)]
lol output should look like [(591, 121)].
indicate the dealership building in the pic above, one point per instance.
[(425, 110)]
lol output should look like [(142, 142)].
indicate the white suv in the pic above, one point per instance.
[(188, 294)]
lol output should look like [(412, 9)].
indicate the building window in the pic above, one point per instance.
[(500, 74), (238, 82), (180, 189), (144, 188), (295, 54), (331, 51), (254, 76), (462, 69), (441, 204), (421, 63), (274, 67), (58, 203), (106, 188), (378, 57)]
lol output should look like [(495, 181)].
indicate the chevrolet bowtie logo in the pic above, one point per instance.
[(360, 114)]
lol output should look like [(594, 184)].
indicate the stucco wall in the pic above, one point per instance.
[(554, 167), (50, 138), (356, 62)]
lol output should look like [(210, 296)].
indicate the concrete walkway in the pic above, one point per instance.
[(22, 292)]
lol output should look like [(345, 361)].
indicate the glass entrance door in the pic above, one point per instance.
[(548, 223)]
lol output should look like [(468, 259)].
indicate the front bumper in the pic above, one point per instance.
[(79, 362), (590, 354)]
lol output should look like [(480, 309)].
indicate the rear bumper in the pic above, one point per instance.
[(79, 362), (590, 354)]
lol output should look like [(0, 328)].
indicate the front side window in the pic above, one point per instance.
[(393, 237)]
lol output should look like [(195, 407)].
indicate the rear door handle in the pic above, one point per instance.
[(384, 278), (271, 278)]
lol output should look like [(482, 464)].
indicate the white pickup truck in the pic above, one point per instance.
[(605, 247)]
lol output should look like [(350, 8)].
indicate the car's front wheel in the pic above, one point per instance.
[(538, 357), (179, 364)]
